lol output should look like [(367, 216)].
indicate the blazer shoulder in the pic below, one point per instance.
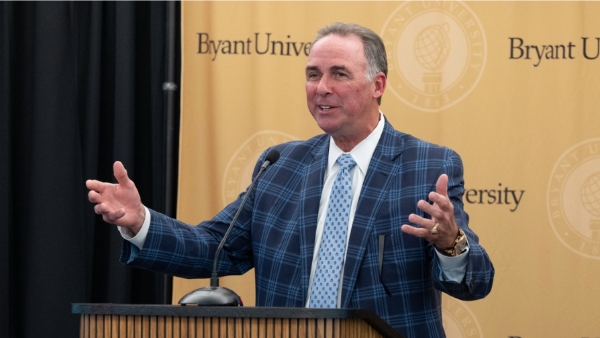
[(414, 145), (302, 149), (394, 143)]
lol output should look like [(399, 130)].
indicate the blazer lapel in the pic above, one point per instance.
[(382, 171), (309, 209)]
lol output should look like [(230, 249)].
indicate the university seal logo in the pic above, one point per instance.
[(458, 320), (436, 53), (574, 198), (238, 173)]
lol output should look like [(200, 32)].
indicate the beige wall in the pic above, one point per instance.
[(528, 131)]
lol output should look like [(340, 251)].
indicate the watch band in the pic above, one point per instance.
[(459, 245)]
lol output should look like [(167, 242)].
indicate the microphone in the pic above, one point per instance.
[(215, 295)]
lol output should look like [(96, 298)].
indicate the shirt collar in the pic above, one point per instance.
[(362, 152)]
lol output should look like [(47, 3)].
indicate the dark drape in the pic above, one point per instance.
[(81, 85)]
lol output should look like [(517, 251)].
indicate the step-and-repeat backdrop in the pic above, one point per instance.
[(514, 87)]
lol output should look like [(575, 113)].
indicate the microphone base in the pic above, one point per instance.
[(212, 296)]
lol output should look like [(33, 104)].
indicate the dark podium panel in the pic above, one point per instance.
[(176, 321)]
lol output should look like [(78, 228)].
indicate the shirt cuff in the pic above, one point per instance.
[(453, 269), (139, 239)]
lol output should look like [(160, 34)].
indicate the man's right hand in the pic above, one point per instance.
[(119, 204)]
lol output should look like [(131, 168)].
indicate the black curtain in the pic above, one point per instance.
[(81, 85)]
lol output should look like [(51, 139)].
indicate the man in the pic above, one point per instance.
[(396, 269)]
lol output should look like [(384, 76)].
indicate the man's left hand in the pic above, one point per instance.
[(441, 230)]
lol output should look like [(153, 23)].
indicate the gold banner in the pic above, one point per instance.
[(512, 86)]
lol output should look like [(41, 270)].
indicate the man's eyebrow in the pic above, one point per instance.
[(335, 68), (311, 68), (332, 68)]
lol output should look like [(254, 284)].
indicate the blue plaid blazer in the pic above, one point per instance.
[(275, 235)]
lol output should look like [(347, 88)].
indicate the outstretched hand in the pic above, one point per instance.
[(120, 203), (442, 215)]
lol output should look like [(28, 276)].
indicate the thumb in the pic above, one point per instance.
[(441, 186), (121, 174)]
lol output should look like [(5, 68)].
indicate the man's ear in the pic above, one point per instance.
[(380, 81)]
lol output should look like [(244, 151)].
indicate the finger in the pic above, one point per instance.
[(440, 196), (114, 216), (100, 209), (441, 186), (94, 197), (107, 215), (111, 219), (441, 205), (436, 211), (121, 174), (414, 231), (94, 185), (420, 221)]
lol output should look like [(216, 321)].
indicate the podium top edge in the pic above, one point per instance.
[(216, 311), (234, 312)]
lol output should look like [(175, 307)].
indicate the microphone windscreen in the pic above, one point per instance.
[(272, 156)]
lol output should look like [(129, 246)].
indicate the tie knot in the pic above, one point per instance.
[(346, 161)]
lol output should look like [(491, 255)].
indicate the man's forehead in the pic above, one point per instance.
[(331, 41), (336, 52)]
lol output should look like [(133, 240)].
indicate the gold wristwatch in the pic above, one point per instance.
[(460, 245)]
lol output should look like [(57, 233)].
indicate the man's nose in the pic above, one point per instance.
[(324, 86)]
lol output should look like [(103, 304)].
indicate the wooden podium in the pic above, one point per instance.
[(176, 321)]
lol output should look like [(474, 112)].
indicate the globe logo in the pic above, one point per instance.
[(436, 53), (573, 198), (432, 48), (458, 320), (590, 199)]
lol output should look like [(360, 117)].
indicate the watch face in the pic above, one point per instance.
[(462, 244)]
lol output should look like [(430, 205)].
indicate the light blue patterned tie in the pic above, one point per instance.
[(325, 286)]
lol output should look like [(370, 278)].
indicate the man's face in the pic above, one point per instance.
[(338, 95)]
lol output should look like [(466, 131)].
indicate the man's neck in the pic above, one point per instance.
[(347, 143)]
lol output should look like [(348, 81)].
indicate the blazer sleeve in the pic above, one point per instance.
[(479, 275), (176, 248)]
